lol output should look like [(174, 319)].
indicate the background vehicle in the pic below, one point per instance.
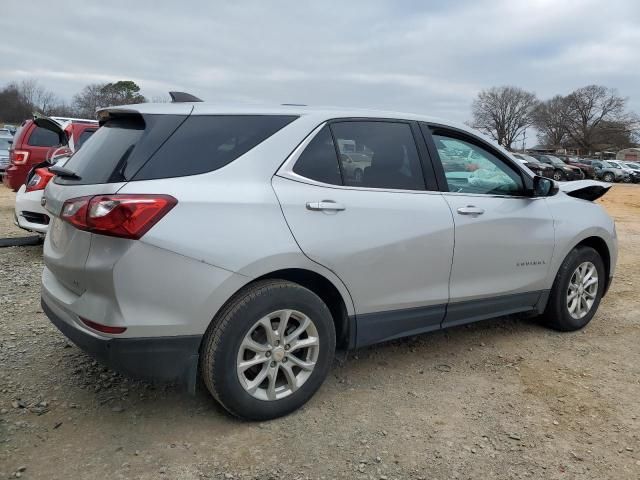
[(632, 175), (276, 258), (561, 171), (32, 144), (5, 144), (29, 213), (354, 165), (539, 168), (582, 164), (608, 172)]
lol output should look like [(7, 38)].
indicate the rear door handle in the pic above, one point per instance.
[(470, 210), (325, 205)]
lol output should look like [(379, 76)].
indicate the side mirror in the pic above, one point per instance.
[(544, 187)]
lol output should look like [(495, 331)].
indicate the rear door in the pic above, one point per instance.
[(386, 233), (504, 240)]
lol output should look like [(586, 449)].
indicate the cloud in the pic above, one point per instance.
[(426, 56)]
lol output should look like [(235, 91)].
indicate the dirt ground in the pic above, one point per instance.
[(498, 399)]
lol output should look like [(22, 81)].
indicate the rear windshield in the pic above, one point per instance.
[(5, 143), (161, 146)]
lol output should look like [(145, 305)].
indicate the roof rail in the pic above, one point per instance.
[(183, 97)]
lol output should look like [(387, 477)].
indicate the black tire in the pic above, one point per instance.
[(558, 176), (222, 341), (556, 314), (608, 177)]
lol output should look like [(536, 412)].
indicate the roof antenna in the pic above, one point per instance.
[(183, 97)]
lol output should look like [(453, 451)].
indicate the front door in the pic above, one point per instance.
[(504, 240)]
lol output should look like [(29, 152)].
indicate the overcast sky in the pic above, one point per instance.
[(423, 56)]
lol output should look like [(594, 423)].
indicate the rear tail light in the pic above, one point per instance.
[(102, 328), (19, 157), (126, 216), (39, 179)]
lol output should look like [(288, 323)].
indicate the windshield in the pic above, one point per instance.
[(633, 166), (609, 164)]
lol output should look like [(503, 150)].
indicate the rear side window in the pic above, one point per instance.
[(41, 137), (378, 155), (319, 161), (371, 154), (137, 147), (205, 143)]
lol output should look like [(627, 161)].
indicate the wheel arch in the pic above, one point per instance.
[(600, 246), (330, 295)]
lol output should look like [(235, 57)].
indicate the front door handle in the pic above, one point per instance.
[(325, 205), (470, 210)]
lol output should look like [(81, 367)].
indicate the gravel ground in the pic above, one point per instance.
[(498, 399)]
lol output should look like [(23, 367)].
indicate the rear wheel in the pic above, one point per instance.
[(608, 177), (577, 291), (558, 175), (269, 350)]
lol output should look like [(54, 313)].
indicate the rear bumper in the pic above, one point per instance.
[(29, 213), (15, 175), (156, 359)]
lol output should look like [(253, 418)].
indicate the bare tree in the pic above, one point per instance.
[(549, 118), (504, 113), (37, 96), (588, 109)]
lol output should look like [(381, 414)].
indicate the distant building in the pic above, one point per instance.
[(630, 154)]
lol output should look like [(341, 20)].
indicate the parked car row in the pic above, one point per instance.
[(573, 168), (39, 144)]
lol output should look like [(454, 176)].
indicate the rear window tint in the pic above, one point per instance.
[(319, 160), (149, 147), (41, 137), (205, 143)]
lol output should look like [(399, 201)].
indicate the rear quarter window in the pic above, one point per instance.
[(205, 143)]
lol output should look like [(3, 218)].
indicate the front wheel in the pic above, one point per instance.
[(268, 350), (577, 291), (558, 175), (608, 177)]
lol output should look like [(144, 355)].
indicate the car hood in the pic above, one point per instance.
[(585, 189)]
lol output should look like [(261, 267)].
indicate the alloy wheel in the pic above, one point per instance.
[(582, 290), (557, 176), (278, 355)]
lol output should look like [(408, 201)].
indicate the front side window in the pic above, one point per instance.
[(378, 155), (469, 168)]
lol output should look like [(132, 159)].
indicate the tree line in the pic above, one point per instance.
[(589, 119), (19, 100)]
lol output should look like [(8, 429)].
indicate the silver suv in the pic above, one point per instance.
[(232, 243)]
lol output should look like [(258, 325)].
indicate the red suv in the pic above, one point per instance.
[(33, 144)]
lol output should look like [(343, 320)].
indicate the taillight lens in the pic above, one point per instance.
[(126, 216), (39, 179), (19, 157)]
